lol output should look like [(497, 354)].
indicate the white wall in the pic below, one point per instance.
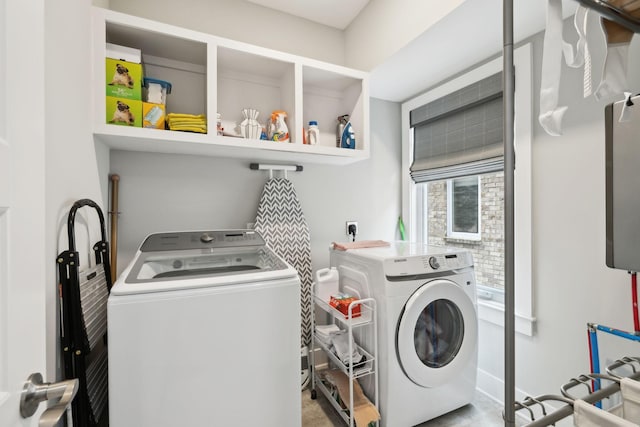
[(572, 285), (384, 27), (71, 166), (172, 192), (246, 22)]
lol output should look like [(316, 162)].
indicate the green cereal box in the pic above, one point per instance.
[(124, 79), (125, 112)]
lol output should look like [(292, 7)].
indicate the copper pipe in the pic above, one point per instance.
[(115, 180)]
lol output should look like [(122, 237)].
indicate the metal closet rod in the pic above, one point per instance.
[(567, 410), (272, 167), (619, 15)]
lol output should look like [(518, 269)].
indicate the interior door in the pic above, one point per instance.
[(437, 333), (22, 204)]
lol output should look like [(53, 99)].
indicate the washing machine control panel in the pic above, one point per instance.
[(201, 240), (424, 264)]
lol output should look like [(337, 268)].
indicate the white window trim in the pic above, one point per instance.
[(460, 235), (488, 310), (421, 227)]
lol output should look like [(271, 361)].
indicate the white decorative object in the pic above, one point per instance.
[(249, 127)]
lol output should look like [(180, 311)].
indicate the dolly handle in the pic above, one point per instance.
[(72, 218)]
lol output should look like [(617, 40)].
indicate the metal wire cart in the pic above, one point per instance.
[(339, 380)]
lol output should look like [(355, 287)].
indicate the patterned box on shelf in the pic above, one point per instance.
[(125, 112), (124, 79)]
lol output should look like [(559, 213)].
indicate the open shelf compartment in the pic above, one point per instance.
[(251, 81), (328, 95), (177, 56)]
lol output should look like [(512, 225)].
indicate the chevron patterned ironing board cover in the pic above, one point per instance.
[(281, 223)]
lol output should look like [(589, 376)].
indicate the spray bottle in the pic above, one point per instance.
[(278, 130)]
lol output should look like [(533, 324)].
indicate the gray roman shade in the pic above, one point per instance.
[(459, 134)]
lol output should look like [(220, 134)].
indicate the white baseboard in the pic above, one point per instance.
[(493, 387)]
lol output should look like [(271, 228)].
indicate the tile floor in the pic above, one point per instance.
[(483, 411)]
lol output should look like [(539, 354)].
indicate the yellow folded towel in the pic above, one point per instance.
[(187, 122), (189, 129), (185, 116)]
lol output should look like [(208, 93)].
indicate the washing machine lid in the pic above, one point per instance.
[(437, 333), (180, 260)]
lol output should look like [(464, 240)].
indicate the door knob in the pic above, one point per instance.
[(35, 391)]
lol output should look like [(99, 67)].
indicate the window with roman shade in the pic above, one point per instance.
[(459, 134)]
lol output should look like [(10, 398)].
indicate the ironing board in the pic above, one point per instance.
[(281, 223)]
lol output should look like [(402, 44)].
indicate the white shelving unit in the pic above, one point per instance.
[(362, 332), (213, 75)]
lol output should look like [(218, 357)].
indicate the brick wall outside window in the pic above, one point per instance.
[(488, 253)]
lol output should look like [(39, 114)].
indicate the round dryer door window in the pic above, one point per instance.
[(437, 333)]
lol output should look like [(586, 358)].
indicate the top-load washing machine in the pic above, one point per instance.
[(204, 330), (427, 326)]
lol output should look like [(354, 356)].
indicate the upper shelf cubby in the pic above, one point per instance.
[(261, 83), (212, 75), (328, 95)]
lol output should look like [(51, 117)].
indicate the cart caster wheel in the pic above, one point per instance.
[(313, 395)]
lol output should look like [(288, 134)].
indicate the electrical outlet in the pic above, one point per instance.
[(351, 224)]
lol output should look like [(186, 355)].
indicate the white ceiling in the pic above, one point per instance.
[(334, 13)]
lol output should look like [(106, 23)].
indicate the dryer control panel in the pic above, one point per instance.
[(427, 263)]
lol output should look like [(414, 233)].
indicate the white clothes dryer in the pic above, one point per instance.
[(427, 326), (204, 329)]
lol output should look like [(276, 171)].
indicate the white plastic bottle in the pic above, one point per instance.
[(327, 283), (314, 133)]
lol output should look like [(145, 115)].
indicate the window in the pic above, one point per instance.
[(463, 208), (425, 206), (456, 137), (485, 209)]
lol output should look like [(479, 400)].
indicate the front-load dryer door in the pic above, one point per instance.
[(437, 333)]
